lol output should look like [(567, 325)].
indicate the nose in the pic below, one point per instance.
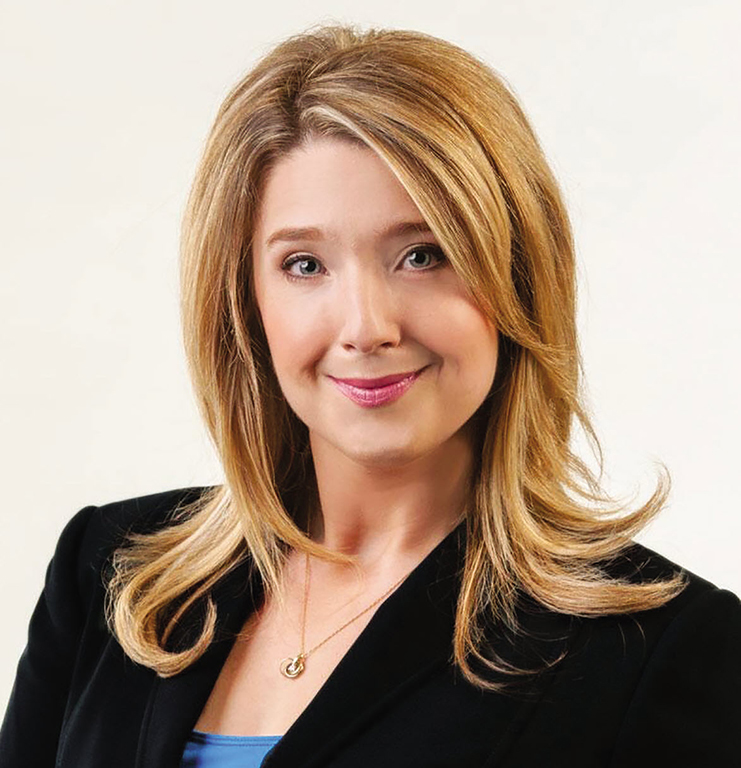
[(369, 313)]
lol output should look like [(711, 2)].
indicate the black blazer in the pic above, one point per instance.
[(660, 688)]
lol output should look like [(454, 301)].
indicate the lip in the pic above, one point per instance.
[(372, 393)]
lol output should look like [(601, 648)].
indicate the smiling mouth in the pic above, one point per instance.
[(371, 393)]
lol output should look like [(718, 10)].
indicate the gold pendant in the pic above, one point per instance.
[(293, 666)]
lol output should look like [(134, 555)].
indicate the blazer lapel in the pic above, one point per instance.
[(175, 703), (409, 636)]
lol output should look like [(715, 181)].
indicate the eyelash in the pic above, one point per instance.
[(434, 250)]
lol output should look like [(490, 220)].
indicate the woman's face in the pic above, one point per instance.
[(377, 344)]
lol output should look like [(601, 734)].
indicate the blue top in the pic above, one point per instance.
[(212, 750)]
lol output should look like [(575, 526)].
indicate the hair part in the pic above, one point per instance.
[(456, 138)]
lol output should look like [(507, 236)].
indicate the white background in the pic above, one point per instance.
[(105, 106)]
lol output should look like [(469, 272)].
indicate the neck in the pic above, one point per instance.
[(380, 513)]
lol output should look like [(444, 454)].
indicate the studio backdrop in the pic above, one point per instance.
[(105, 110)]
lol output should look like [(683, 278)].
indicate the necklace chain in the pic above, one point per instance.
[(293, 666)]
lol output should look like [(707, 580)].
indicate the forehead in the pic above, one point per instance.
[(332, 184)]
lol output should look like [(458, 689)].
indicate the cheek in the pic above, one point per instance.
[(294, 341), (468, 339), (479, 360)]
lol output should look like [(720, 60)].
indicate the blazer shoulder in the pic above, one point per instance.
[(142, 514), (640, 564), (689, 678), (92, 535), (68, 644), (698, 612)]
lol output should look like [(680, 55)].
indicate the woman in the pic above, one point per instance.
[(406, 565)]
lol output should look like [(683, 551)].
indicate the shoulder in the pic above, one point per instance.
[(697, 598), (96, 531), (697, 616), (697, 632), (110, 523), (647, 687), (140, 514), (68, 638), (617, 641), (689, 660)]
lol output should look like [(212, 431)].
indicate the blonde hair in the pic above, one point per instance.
[(458, 141)]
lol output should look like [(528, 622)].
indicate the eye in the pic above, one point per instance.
[(423, 257), (301, 266)]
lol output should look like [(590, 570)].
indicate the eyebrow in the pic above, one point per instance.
[(294, 234)]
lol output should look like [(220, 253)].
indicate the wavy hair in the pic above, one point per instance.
[(456, 138)]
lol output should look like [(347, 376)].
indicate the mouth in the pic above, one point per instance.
[(371, 393)]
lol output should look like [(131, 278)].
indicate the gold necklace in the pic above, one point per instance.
[(293, 666)]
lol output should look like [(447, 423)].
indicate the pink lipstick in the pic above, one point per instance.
[(371, 393)]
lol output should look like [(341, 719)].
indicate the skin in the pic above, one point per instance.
[(352, 300)]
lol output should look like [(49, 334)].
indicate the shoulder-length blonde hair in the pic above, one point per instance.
[(456, 138)]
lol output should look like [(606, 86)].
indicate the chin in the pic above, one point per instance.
[(384, 458), (386, 450), (372, 447)]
